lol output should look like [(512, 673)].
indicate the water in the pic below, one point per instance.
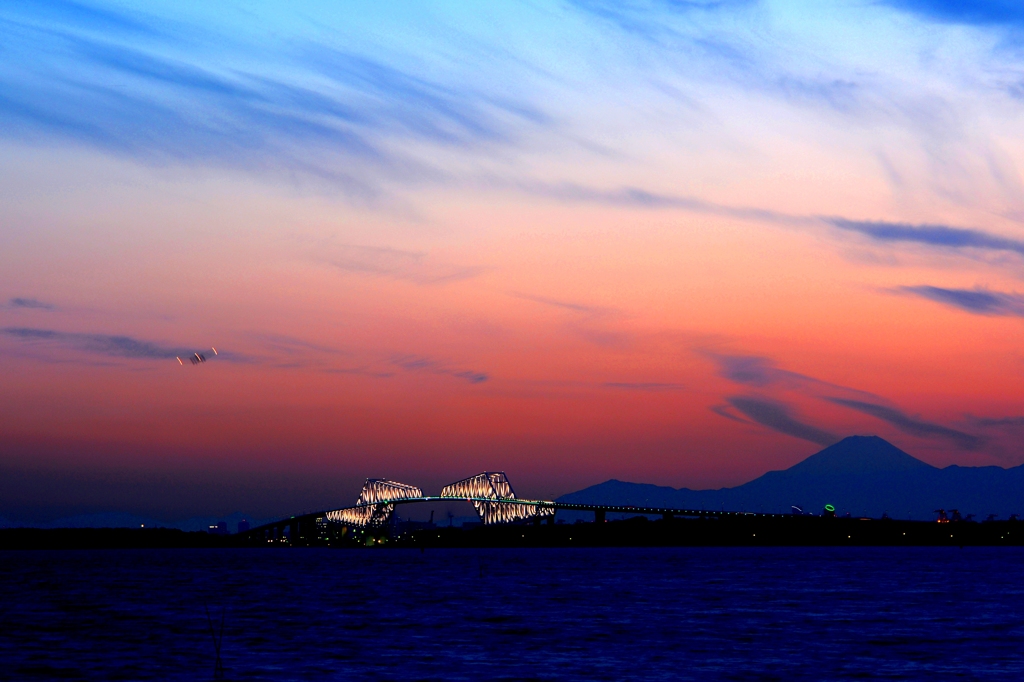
[(545, 614)]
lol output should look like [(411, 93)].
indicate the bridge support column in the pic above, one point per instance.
[(550, 520), (599, 516), (536, 520)]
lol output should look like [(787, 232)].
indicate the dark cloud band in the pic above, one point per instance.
[(31, 303), (973, 12), (418, 363), (977, 301), (908, 424), (99, 344), (777, 417), (930, 235)]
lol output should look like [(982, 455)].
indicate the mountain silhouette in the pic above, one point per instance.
[(862, 475)]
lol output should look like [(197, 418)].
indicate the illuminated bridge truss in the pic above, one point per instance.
[(376, 504), (494, 485), (378, 490), (490, 493)]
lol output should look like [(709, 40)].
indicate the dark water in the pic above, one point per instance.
[(601, 614)]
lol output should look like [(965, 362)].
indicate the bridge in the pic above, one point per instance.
[(490, 493)]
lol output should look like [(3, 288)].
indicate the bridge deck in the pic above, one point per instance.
[(546, 504)]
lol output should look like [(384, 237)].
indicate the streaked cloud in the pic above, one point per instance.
[(419, 363), (911, 425), (753, 370), (976, 12), (941, 236), (359, 371), (762, 372), (644, 386), (727, 412), (944, 237), (778, 417), (158, 89), (30, 303), (110, 345), (1012, 422), (637, 197), (586, 309), (409, 266), (290, 345), (977, 301)]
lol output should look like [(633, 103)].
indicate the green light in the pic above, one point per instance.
[(829, 507)]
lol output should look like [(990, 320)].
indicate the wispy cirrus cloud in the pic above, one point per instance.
[(572, 306), (779, 417), (648, 19), (939, 236), (974, 12), (695, 35), (30, 304), (290, 345), (409, 266), (727, 412), (637, 197), (653, 386), (754, 370), (911, 425), (359, 371), (1012, 422), (110, 345), (193, 90), (590, 322), (977, 301), (762, 372), (419, 363)]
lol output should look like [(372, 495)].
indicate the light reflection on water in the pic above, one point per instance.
[(472, 614)]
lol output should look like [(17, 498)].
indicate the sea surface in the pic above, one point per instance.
[(522, 614)]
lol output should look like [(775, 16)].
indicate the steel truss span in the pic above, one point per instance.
[(492, 497), (377, 490), (490, 493), (493, 485), (376, 503)]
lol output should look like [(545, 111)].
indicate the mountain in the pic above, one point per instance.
[(863, 475)]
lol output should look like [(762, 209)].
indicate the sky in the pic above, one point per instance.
[(675, 242)]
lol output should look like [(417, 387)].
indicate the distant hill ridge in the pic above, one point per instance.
[(126, 520), (863, 475)]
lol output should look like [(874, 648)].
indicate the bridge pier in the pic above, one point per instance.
[(550, 520), (599, 516)]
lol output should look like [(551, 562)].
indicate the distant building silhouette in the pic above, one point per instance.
[(243, 526), (220, 529)]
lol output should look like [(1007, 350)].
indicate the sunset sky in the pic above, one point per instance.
[(673, 242)]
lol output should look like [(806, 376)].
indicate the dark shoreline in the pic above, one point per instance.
[(753, 531)]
